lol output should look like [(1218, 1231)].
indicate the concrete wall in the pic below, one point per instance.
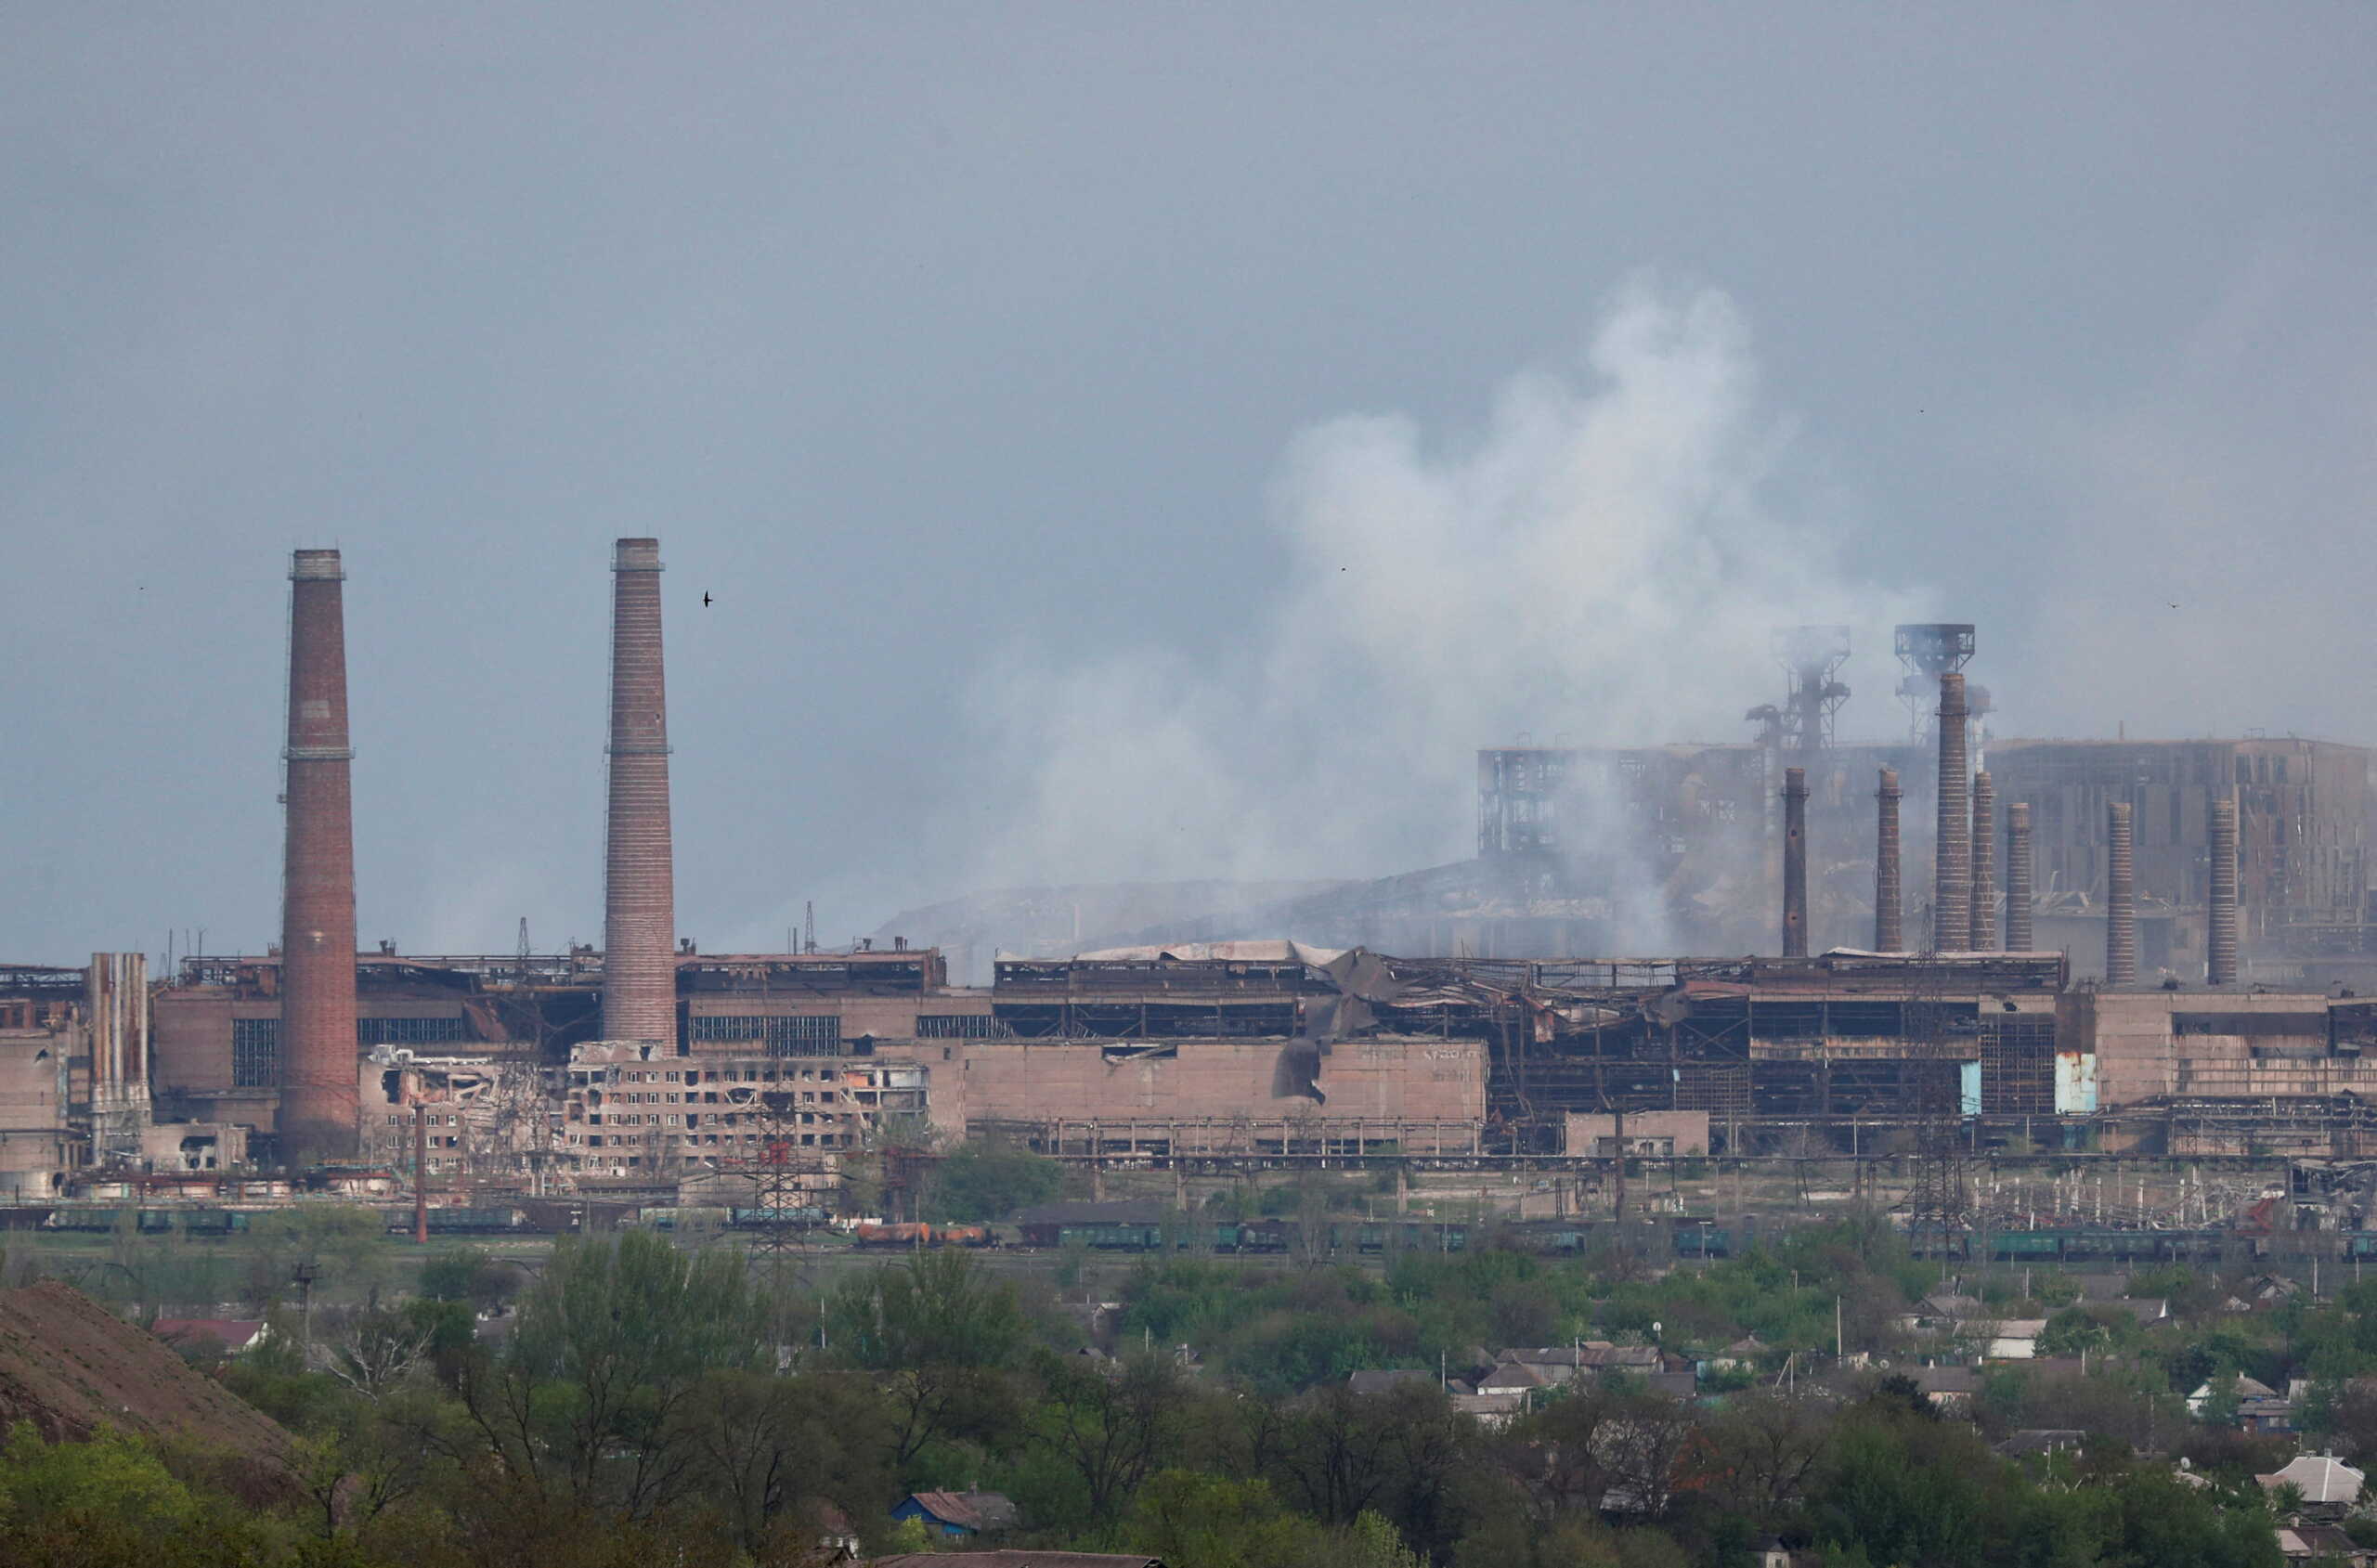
[(1389, 1080), (2210, 1043), (1647, 1131), (33, 1143)]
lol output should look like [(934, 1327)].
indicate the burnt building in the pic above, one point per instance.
[(2302, 864)]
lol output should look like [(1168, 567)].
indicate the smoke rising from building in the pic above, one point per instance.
[(1601, 561)]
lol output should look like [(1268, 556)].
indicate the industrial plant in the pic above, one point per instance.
[(1953, 949)]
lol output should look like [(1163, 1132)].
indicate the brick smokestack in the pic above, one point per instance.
[(1795, 863), (2018, 876), (1952, 877), (319, 1105), (1890, 928), (2121, 898), (1984, 864), (2221, 935), (639, 888)]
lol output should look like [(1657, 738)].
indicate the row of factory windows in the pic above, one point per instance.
[(711, 1140), (255, 1042), (657, 1119), (581, 1078)]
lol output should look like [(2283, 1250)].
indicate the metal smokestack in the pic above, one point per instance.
[(319, 1101), (1952, 877), (2221, 935), (2018, 876), (2121, 899), (1984, 864), (1890, 929), (1795, 863), (639, 890)]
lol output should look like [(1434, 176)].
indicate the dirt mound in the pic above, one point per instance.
[(69, 1365)]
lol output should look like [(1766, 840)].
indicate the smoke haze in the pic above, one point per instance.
[(961, 354), (1597, 558)]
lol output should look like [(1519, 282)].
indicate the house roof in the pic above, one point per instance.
[(2042, 1440), (1508, 1404), (1947, 1380), (1382, 1379), (1948, 1304), (1512, 1375), (1750, 1344), (967, 1510), (2019, 1328), (2321, 1478), (2317, 1540), (2247, 1388)]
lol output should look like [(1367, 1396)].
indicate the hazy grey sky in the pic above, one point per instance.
[(1015, 377)]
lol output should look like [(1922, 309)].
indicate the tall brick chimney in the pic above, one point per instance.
[(1984, 864), (2121, 898), (1795, 863), (2220, 944), (1890, 929), (2018, 876), (1952, 877), (639, 890), (319, 1104)]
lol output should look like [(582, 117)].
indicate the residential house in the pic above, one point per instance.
[(2042, 1440), (1515, 1378), (2246, 1388), (1491, 1411), (2014, 1339), (2322, 1543), (1948, 1388), (1772, 1553), (959, 1515), (1387, 1379), (2329, 1485), (2266, 1417)]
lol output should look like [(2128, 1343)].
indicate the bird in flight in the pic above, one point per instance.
[(704, 598)]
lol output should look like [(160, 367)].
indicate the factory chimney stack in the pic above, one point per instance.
[(1952, 878), (2018, 876), (2221, 939), (2121, 898), (638, 891), (319, 1099), (1984, 864), (1795, 863), (1890, 931)]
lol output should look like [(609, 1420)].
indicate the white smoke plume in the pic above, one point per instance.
[(1601, 561)]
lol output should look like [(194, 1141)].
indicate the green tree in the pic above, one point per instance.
[(592, 1394), (989, 1179)]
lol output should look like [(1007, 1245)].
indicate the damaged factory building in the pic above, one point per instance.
[(2112, 946)]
